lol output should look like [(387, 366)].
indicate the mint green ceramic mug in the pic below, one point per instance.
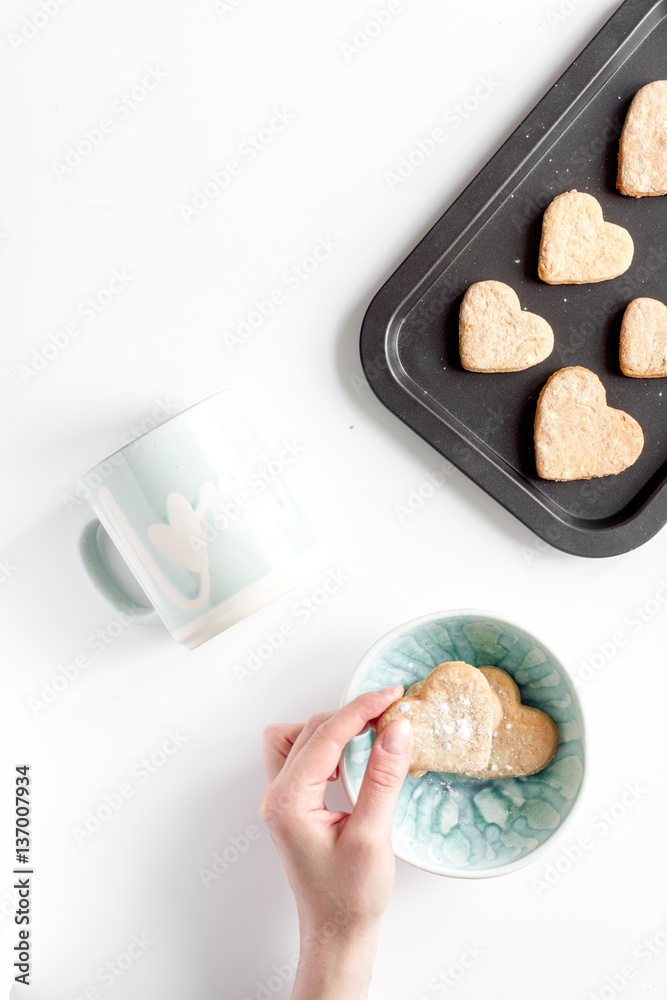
[(197, 509)]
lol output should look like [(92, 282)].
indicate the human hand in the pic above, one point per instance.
[(340, 865)]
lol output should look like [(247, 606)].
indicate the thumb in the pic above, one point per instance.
[(385, 773)]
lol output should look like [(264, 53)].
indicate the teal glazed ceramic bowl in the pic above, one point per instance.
[(465, 827)]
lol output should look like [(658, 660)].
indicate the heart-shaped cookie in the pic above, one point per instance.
[(526, 738), (577, 436), (643, 347), (495, 335), (578, 246), (453, 714), (642, 151)]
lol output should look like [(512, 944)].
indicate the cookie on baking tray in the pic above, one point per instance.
[(642, 151), (643, 346), (495, 335), (578, 246), (577, 435)]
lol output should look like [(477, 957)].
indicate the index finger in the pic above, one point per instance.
[(279, 738), (319, 756)]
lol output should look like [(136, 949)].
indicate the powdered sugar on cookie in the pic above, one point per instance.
[(448, 734)]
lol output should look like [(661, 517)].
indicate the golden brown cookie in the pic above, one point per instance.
[(578, 246), (453, 716), (495, 335), (577, 436), (642, 151), (643, 347), (526, 738)]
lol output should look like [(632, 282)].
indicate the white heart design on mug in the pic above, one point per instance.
[(145, 568), (182, 539)]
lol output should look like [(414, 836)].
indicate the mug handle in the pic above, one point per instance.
[(98, 572)]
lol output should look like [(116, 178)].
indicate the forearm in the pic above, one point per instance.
[(334, 969)]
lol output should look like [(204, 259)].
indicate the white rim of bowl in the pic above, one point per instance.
[(550, 842)]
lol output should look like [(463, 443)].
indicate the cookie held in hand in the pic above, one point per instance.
[(577, 436), (578, 246), (495, 335), (526, 738), (642, 151), (643, 346), (453, 714)]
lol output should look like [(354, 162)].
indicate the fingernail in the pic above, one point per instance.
[(393, 689), (396, 736)]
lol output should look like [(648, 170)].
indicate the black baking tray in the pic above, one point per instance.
[(483, 423)]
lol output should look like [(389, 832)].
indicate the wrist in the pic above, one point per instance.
[(335, 964)]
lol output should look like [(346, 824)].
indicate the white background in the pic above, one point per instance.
[(164, 341)]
